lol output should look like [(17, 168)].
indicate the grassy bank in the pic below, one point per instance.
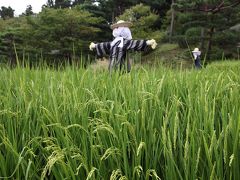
[(149, 124)]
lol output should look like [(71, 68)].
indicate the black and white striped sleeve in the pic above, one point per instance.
[(103, 49), (137, 45)]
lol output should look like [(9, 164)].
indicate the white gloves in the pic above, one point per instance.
[(152, 43), (92, 46)]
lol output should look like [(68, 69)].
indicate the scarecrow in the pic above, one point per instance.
[(196, 55), (122, 42)]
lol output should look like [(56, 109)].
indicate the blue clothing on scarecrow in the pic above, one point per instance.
[(197, 59)]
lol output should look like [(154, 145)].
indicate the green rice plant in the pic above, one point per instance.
[(152, 123)]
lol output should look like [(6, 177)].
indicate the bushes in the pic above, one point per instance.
[(143, 22), (226, 38), (67, 31)]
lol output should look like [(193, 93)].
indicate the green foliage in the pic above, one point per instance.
[(64, 28), (62, 3), (153, 123), (58, 3), (194, 31), (92, 8), (6, 12), (226, 38), (159, 7), (143, 20), (28, 11), (12, 38), (77, 2), (206, 23), (64, 33), (50, 3), (114, 8), (54, 33)]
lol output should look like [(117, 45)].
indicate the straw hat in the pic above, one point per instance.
[(195, 50), (121, 23)]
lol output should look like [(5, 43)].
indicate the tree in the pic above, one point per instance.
[(65, 32), (89, 6), (96, 11), (172, 21), (12, 38), (28, 11), (50, 3), (56, 35), (62, 3), (6, 12), (77, 2), (202, 20), (58, 3), (143, 20), (114, 8), (160, 7)]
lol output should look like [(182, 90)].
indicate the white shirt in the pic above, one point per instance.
[(122, 32), (195, 54)]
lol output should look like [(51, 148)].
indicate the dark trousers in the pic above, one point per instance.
[(197, 63)]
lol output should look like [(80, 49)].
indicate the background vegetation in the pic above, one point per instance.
[(63, 29), (78, 122)]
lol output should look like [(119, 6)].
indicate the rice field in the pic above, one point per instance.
[(152, 123)]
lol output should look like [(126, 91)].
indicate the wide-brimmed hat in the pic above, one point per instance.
[(121, 23), (196, 50)]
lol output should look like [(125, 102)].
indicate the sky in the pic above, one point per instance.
[(20, 5)]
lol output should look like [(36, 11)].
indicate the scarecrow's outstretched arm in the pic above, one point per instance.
[(102, 48), (139, 45)]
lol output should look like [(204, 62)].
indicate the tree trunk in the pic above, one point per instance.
[(202, 38), (172, 22), (113, 17), (210, 41)]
